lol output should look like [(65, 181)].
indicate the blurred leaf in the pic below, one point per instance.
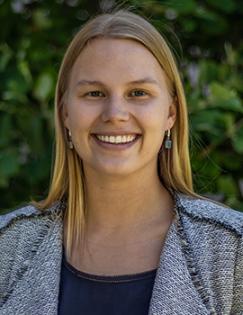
[(5, 56), (237, 141), (182, 6), (212, 22), (43, 86), (5, 130), (41, 19), (189, 26), (231, 55), (213, 122), (9, 165), (36, 138), (223, 5), (221, 96), (228, 161), (16, 89), (209, 71), (25, 71), (227, 185)]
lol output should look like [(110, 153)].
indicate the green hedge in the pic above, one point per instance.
[(32, 42)]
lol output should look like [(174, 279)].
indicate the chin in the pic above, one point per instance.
[(114, 170)]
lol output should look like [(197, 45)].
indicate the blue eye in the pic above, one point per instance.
[(134, 93), (139, 93), (95, 93)]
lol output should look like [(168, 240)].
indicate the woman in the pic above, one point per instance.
[(121, 231)]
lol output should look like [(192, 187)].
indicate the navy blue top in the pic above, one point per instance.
[(86, 294)]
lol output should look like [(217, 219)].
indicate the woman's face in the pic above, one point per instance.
[(117, 92)]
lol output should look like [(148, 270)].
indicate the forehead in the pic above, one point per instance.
[(116, 59)]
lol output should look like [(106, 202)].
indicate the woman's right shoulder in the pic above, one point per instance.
[(16, 215), (28, 212)]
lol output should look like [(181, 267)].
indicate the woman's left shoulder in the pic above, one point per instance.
[(211, 236), (210, 212)]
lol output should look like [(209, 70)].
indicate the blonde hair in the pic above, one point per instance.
[(174, 167)]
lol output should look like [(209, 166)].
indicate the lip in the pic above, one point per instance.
[(116, 147)]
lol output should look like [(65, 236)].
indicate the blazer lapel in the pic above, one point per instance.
[(174, 290), (37, 290)]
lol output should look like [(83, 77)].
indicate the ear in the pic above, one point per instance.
[(171, 115), (65, 115)]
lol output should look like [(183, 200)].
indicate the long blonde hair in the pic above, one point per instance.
[(174, 167)]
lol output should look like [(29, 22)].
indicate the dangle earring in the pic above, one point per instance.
[(168, 141), (69, 136)]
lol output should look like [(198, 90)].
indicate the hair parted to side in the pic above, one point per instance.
[(68, 177)]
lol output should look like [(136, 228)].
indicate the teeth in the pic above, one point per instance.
[(116, 139)]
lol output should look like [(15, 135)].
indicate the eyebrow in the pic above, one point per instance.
[(141, 81)]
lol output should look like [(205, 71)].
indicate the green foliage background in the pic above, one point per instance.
[(33, 39)]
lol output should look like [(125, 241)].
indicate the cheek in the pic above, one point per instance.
[(154, 119), (81, 117)]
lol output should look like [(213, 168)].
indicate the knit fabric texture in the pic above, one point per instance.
[(200, 270)]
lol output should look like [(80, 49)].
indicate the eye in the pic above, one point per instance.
[(139, 93), (94, 94)]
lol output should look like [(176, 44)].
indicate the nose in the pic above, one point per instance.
[(115, 110)]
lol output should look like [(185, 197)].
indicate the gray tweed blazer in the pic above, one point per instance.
[(200, 271)]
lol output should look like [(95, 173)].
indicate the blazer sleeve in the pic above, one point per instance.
[(237, 305)]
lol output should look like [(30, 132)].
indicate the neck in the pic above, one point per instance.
[(133, 205)]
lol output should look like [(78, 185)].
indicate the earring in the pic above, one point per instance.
[(168, 141), (69, 136)]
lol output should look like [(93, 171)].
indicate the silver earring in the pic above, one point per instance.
[(168, 141), (70, 143)]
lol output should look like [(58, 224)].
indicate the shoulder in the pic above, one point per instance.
[(16, 214), (27, 213), (211, 237), (210, 212)]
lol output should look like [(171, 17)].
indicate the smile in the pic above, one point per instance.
[(116, 139)]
